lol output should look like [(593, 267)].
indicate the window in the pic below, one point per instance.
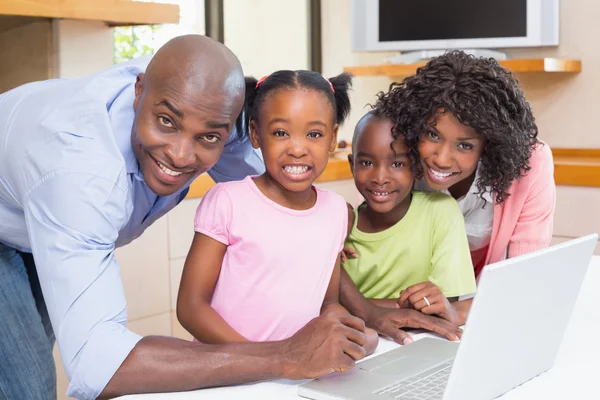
[(142, 40)]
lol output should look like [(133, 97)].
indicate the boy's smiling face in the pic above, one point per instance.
[(380, 165)]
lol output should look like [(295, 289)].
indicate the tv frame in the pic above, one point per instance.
[(542, 30)]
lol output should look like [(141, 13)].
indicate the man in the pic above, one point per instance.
[(86, 165)]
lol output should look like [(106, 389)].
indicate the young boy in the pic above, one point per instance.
[(405, 241)]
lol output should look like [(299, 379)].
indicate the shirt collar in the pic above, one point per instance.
[(473, 190), (122, 115)]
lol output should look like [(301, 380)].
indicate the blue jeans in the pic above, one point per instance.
[(27, 368)]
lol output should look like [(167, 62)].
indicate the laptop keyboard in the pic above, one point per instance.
[(429, 385)]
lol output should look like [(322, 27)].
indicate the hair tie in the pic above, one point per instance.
[(260, 81), (330, 84)]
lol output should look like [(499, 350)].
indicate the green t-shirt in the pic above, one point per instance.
[(428, 244)]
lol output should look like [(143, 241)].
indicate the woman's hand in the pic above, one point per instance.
[(427, 298)]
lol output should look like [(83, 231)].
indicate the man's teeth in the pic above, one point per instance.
[(169, 171), (295, 170), (440, 174)]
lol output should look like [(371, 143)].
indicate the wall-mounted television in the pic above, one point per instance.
[(384, 25)]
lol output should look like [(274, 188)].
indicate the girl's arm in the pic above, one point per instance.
[(331, 303), (200, 275)]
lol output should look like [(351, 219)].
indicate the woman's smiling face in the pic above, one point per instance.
[(449, 151)]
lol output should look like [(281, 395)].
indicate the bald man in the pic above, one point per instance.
[(86, 165)]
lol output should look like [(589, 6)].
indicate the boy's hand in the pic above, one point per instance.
[(427, 298), (348, 253)]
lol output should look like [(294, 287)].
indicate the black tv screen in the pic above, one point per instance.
[(402, 20)]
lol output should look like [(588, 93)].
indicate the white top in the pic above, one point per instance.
[(478, 212)]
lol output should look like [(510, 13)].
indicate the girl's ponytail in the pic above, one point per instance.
[(341, 85)]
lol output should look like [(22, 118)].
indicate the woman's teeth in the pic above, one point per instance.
[(439, 174), (295, 170), (168, 171)]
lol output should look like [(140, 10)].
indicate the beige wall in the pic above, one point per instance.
[(25, 51), (81, 47)]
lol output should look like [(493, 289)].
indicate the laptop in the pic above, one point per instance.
[(513, 333)]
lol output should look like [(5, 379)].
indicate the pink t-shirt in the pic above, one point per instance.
[(278, 261)]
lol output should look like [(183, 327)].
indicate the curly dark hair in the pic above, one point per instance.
[(480, 94)]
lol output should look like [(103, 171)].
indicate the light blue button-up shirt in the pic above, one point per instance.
[(71, 192)]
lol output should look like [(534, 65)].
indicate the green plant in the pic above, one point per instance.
[(133, 41)]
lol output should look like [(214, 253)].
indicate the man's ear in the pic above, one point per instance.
[(139, 88), (254, 134)]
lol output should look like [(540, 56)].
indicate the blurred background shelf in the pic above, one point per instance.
[(113, 12), (515, 65)]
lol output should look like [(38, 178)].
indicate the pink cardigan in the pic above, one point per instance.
[(523, 222)]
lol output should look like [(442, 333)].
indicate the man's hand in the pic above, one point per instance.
[(427, 298), (328, 343), (389, 322)]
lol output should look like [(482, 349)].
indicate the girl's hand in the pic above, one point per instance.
[(427, 298), (348, 253)]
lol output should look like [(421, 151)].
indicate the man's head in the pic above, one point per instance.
[(186, 104)]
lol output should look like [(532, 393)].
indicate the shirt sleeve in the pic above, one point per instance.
[(73, 220), (239, 159), (451, 265), (534, 227), (214, 214)]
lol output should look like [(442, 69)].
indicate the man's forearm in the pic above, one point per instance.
[(162, 364)]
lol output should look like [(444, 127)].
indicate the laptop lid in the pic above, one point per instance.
[(518, 319)]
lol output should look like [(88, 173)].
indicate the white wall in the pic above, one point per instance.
[(267, 35), (81, 47)]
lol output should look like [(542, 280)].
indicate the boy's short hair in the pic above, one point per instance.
[(413, 154)]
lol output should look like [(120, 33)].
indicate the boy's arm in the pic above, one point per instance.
[(200, 275)]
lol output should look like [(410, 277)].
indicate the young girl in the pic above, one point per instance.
[(403, 238), (265, 257), (477, 140)]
